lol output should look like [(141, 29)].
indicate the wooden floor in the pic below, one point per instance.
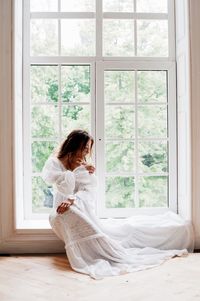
[(49, 277)]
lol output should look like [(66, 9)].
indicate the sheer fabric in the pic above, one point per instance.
[(110, 247)]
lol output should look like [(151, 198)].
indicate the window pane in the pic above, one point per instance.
[(43, 5), (118, 37), (75, 83), (75, 117), (152, 38), (153, 6), (152, 121), (44, 37), (78, 5), (120, 192), (41, 150), (119, 86), (119, 121), (153, 156), (118, 6), (78, 37), (120, 156), (42, 196), (44, 84), (45, 121), (153, 191), (152, 86)]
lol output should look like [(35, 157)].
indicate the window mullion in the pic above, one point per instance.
[(100, 139), (62, 15), (27, 201), (99, 30), (52, 60), (59, 102), (171, 29), (172, 136), (136, 145), (93, 102), (133, 174), (139, 16), (59, 32)]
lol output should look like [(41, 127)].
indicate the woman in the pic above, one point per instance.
[(104, 248)]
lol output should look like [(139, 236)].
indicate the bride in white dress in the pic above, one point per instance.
[(111, 247)]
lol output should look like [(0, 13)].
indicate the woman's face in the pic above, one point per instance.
[(86, 150)]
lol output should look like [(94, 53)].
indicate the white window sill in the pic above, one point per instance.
[(42, 223)]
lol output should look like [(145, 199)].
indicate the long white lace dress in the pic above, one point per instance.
[(111, 247)]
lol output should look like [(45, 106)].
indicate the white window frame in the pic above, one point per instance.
[(100, 139), (27, 129), (28, 60), (98, 63)]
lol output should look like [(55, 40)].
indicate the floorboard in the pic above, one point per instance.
[(50, 277)]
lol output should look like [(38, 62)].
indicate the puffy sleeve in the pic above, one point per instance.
[(84, 180), (85, 189), (64, 181), (82, 175)]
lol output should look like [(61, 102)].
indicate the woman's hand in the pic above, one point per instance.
[(64, 206), (89, 167)]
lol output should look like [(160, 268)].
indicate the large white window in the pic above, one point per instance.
[(107, 66)]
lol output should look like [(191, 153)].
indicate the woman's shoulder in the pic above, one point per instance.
[(52, 160), (52, 170)]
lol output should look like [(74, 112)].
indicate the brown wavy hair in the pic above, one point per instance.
[(75, 141)]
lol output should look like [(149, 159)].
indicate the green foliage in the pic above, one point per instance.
[(120, 157), (153, 191), (40, 193), (150, 160), (52, 89), (75, 117), (119, 86), (153, 157), (45, 121), (44, 84), (118, 38), (75, 83), (40, 153), (44, 37), (152, 121), (151, 86), (72, 112), (118, 6), (119, 121), (148, 43), (120, 192)]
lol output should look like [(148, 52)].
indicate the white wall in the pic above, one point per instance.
[(6, 183), (12, 240), (183, 109), (194, 29)]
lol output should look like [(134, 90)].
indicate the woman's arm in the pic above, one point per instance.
[(63, 180)]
